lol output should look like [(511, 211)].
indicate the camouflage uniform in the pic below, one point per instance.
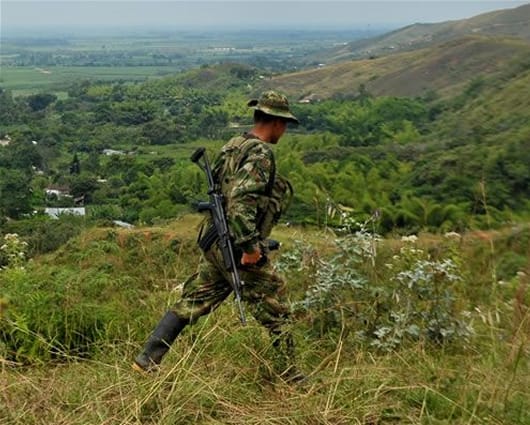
[(255, 197)]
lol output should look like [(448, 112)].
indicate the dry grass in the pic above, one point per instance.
[(221, 373), (445, 68)]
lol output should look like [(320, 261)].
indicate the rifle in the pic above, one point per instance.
[(215, 206)]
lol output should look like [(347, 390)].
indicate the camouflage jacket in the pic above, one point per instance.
[(255, 195)]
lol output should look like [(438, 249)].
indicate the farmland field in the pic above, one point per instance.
[(26, 80), (30, 64)]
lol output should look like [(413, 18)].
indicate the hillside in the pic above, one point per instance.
[(405, 251), (444, 68), (72, 321), (513, 22)]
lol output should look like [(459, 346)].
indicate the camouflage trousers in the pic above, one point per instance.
[(263, 292)]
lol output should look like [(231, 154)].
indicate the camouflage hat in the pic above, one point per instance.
[(274, 104)]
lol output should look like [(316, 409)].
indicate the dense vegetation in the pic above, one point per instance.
[(122, 150)]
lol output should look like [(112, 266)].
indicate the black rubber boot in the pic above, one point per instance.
[(158, 343)]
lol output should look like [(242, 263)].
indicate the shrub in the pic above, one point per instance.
[(414, 298), (90, 292), (44, 234), (56, 312), (13, 251)]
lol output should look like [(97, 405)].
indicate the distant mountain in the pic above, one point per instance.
[(444, 68), (507, 22)]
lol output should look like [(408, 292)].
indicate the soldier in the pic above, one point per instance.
[(255, 198)]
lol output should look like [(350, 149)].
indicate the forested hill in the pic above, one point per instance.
[(424, 163), (514, 22)]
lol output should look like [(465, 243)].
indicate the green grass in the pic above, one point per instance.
[(219, 372), (26, 80)]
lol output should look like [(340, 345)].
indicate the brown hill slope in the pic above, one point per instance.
[(513, 22), (444, 68)]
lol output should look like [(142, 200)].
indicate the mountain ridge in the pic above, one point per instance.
[(513, 22)]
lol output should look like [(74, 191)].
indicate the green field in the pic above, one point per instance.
[(26, 80)]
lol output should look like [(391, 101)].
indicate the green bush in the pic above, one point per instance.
[(509, 263), (44, 234), (57, 312), (414, 298), (90, 292)]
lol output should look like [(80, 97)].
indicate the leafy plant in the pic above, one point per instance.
[(13, 251), (415, 299), (421, 300)]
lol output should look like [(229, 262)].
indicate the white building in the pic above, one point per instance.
[(56, 212)]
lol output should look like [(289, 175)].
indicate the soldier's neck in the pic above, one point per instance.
[(261, 132)]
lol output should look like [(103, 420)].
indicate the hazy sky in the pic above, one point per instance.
[(201, 14)]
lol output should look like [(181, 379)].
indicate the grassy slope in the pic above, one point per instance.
[(499, 109), (218, 371), (444, 68)]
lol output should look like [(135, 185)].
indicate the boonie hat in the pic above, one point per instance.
[(275, 104)]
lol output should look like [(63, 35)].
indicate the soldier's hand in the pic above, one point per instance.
[(251, 258)]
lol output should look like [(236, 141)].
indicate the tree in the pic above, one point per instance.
[(15, 193), (133, 112), (10, 112), (82, 186), (75, 166), (38, 102), (161, 132), (364, 96), (20, 154)]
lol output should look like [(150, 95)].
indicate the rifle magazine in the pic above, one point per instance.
[(209, 237)]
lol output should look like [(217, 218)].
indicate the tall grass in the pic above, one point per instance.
[(218, 372), (219, 375)]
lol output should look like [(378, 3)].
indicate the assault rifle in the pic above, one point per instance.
[(220, 225)]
